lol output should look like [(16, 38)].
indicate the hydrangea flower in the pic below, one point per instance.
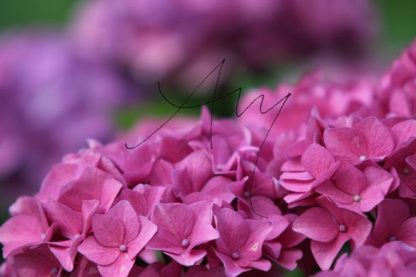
[(159, 42), (53, 98), (212, 198)]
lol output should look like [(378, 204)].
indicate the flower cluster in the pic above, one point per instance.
[(51, 100), (212, 197), (182, 40)]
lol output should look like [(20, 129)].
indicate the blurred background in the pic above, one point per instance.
[(72, 70)]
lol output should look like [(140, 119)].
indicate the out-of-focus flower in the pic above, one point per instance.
[(393, 259), (52, 99), (185, 39)]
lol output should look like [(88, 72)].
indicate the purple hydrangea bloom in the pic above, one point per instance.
[(183, 39), (52, 99)]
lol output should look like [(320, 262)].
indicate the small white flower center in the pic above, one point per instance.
[(357, 198), (342, 228), (123, 248), (185, 243), (363, 157), (235, 255)]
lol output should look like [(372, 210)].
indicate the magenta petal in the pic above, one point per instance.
[(378, 137), (118, 226), (188, 258), (203, 229), (121, 267), (68, 220), (325, 252), (147, 231), (406, 232), (231, 267), (65, 252), (288, 258), (346, 143), (403, 131), (97, 253), (391, 213), (21, 230), (317, 224), (317, 160)]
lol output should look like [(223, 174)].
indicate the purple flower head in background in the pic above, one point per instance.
[(180, 40), (52, 100)]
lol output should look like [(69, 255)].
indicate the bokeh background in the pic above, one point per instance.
[(394, 30)]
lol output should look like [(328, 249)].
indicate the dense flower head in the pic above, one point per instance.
[(185, 39), (52, 99), (218, 198)]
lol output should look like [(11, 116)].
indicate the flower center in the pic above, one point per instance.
[(363, 157), (185, 243), (123, 248), (235, 255), (356, 198), (53, 271), (392, 238), (342, 228)]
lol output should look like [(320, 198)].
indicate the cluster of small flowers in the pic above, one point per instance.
[(51, 100), (182, 39), (203, 197)]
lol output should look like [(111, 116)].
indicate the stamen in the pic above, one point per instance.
[(185, 243), (123, 248), (235, 255)]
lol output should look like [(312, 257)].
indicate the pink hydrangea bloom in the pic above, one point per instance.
[(181, 229), (329, 228), (186, 203), (393, 259), (119, 235)]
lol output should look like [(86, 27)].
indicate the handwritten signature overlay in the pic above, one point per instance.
[(211, 103)]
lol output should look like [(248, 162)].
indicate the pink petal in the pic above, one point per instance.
[(188, 258), (68, 220), (403, 131), (203, 229), (175, 222), (147, 231), (391, 213), (317, 160), (345, 143), (97, 253), (317, 224), (118, 226), (19, 231), (143, 198), (325, 252), (378, 137), (406, 232), (121, 267)]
